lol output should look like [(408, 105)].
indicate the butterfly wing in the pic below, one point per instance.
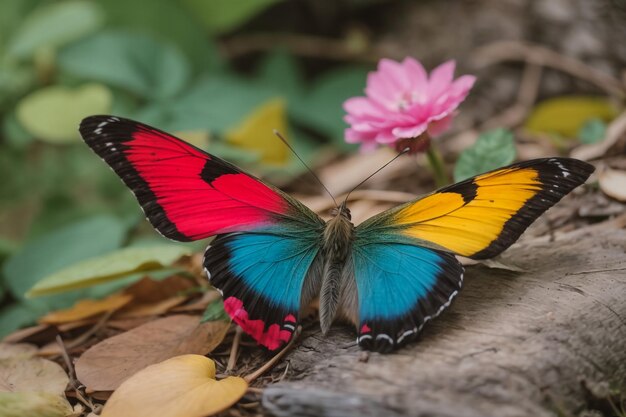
[(482, 216), (400, 287), (186, 193), (266, 278), (403, 264), (267, 240)]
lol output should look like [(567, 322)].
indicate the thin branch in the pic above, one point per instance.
[(254, 375), (234, 351), (93, 330), (501, 51)]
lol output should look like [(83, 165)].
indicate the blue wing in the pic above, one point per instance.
[(400, 286), (264, 279)]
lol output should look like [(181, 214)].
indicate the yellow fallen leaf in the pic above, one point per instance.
[(87, 308), (256, 132), (613, 183), (183, 386), (566, 115)]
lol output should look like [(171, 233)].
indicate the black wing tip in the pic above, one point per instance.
[(96, 127)]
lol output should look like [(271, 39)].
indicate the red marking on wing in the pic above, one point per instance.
[(365, 328), (290, 318), (172, 169), (272, 338)]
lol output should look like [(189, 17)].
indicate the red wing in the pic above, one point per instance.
[(186, 193)]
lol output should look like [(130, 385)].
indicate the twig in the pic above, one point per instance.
[(72, 374), (93, 330), (254, 375), (232, 360), (539, 55)]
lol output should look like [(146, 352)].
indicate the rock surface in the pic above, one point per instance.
[(513, 343)]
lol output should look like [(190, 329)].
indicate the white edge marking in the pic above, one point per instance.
[(384, 336)]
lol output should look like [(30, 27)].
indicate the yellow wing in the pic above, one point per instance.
[(482, 216)]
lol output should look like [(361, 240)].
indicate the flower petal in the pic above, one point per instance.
[(418, 79), (409, 131), (437, 127), (440, 78)]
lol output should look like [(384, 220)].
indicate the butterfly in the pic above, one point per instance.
[(272, 256)]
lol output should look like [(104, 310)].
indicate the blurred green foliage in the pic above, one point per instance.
[(156, 61), (492, 150)]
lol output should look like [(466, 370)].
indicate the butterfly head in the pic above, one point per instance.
[(342, 211)]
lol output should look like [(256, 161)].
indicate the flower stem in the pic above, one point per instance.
[(436, 164)]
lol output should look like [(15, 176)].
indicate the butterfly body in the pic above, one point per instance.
[(272, 256), (338, 237)]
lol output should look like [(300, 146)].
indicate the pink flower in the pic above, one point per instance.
[(403, 102)]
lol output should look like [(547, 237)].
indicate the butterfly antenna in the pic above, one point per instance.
[(405, 150), (281, 137)]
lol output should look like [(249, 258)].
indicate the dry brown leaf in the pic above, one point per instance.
[(613, 183), (28, 333), (148, 290), (200, 304), (17, 350), (87, 308), (183, 386), (105, 366), (151, 309), (32, 374), (127, 324)]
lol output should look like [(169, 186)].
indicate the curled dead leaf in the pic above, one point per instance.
[(613, 183), (105, 366), (87, 308), (183, 386)]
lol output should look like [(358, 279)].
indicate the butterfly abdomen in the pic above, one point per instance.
[(337, 246)]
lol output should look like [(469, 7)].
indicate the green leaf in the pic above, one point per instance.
[(322, 108), (137, 63), (65, 246), (166, 20), (15, 80), (221, 16), (492, 150), (565, 116), (53, 114), (592, 131), (279, 71), (17, 315), (216, 103), (215, 311), (109, 267), (53, 25), (14, 133)]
